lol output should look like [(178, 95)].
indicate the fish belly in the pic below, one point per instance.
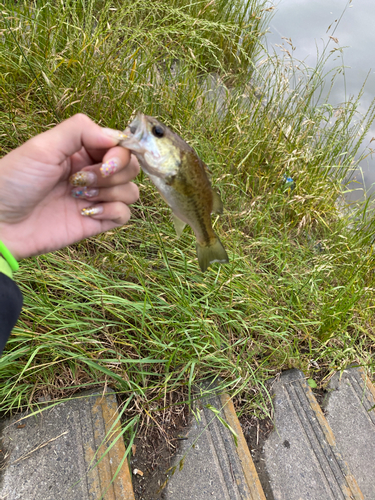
[(175, 200)]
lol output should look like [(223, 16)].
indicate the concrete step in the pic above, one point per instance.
[(350, 412), (50, 456), (211, 463), (303, 460)]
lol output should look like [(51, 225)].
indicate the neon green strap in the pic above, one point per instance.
[(5, 268), (13, 264)]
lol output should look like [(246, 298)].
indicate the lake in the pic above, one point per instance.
[(306, 22)]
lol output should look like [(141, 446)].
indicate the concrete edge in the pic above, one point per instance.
[(370, 386), (105, 409), (248, 467), (354, 491)]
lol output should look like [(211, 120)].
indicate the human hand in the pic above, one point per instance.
[(38, 213)]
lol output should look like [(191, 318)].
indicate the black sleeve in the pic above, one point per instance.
[(10, 307)]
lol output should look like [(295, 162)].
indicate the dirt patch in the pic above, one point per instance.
[(256, 432), (320, 395), (153, 450)]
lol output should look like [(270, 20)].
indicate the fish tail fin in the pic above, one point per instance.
[(214, 252)]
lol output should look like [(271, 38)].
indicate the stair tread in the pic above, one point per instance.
[(213, 466), (52, 454), (302, 458), (348, 411)]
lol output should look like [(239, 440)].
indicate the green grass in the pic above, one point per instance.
[(131, 307)]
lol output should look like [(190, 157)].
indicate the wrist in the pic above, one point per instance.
[(11, 241)]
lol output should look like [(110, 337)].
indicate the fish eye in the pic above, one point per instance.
[(158, 131)]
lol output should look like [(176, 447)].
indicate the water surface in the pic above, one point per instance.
[(306, 22)]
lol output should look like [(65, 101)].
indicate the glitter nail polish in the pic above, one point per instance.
[(109, 167), (82, 178), (84, 192), (90, 193), (89, 211), (115, 134), (77, 193)]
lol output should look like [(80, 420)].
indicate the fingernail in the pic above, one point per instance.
[(88, 212), (84, 193), (82, 178), (90, 193), (115, 134), (109, 167)]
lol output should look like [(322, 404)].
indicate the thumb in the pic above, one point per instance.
[(70, 136)]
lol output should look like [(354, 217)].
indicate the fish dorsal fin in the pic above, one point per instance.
[(179, 224), (217, 204)]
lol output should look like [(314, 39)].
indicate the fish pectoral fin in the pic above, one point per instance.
[(179, 224), (217, 204), (211, 253)]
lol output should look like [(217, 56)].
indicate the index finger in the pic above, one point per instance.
[(70, 136)]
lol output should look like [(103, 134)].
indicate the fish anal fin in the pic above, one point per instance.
[(211, 253), (179, 224), (217, 204)]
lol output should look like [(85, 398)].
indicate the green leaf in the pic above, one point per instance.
[(312, 383), (224, 422)]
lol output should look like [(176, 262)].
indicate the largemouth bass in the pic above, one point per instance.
[(181, 179)]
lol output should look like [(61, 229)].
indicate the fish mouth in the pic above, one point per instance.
[(134, 133), (141, 143)]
